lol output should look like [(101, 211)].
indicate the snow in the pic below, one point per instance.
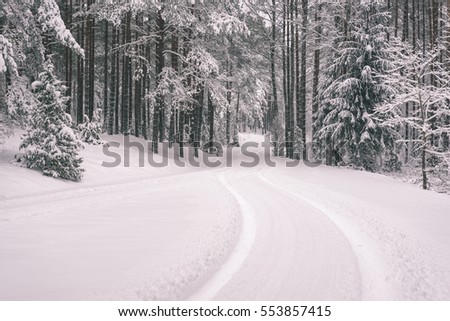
[(240, 252), (7, 53), (67, 131), (50, 18), (400, 234), (365, 136), (2, 63), (36, 84), (230, 233), (131, 246)]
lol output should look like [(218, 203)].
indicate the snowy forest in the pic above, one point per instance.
[(361, 83), (329, 121)]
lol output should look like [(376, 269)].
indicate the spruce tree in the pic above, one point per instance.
[(50, 144), (353, 88)]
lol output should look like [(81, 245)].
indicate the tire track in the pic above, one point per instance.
[(239, 253), (372, 268)]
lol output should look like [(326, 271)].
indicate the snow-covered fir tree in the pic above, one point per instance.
[(50, 144), (353, 88), (90, 130)]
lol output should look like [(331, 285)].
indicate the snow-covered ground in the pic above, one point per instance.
[(229, 233)]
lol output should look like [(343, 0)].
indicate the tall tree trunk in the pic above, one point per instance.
[(431, 30), (446, 142), (435, 21), (130, 78), (138, 82), (298, 71), (117, 87), (432, 42), (396, 18), (292, 79), (419, 28), (112, 84), (302, 107), (424, 44), (137, 105), (210, 117), (228, 113), (174, 107), (3, 107), (183, 112), (80, 72), (424, 164), (123, 85), (424, 116), (87, 49), (414, 45), (198, 117), (414, 28), (92, 68), (236, 126), (317, 41), (158, 125), (286, 77), (405, 29), (388, 34), (348, 9), (405, 38), (145, 82), (90, 60), (106, 111), (69, 57), (273, 42), (126, 72), (146, 114)]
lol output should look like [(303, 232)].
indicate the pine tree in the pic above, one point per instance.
[(353, 88), (50, 144), (90, 130)]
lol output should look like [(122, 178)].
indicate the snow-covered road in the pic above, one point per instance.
[(230, 233), (297, 254)]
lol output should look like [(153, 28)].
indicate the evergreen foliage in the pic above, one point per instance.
[(90, 130), (50, 144), (354, 87), (20, 100)]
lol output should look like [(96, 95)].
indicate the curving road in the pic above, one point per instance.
[(329, 234), (297, 253), (230, 233)]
